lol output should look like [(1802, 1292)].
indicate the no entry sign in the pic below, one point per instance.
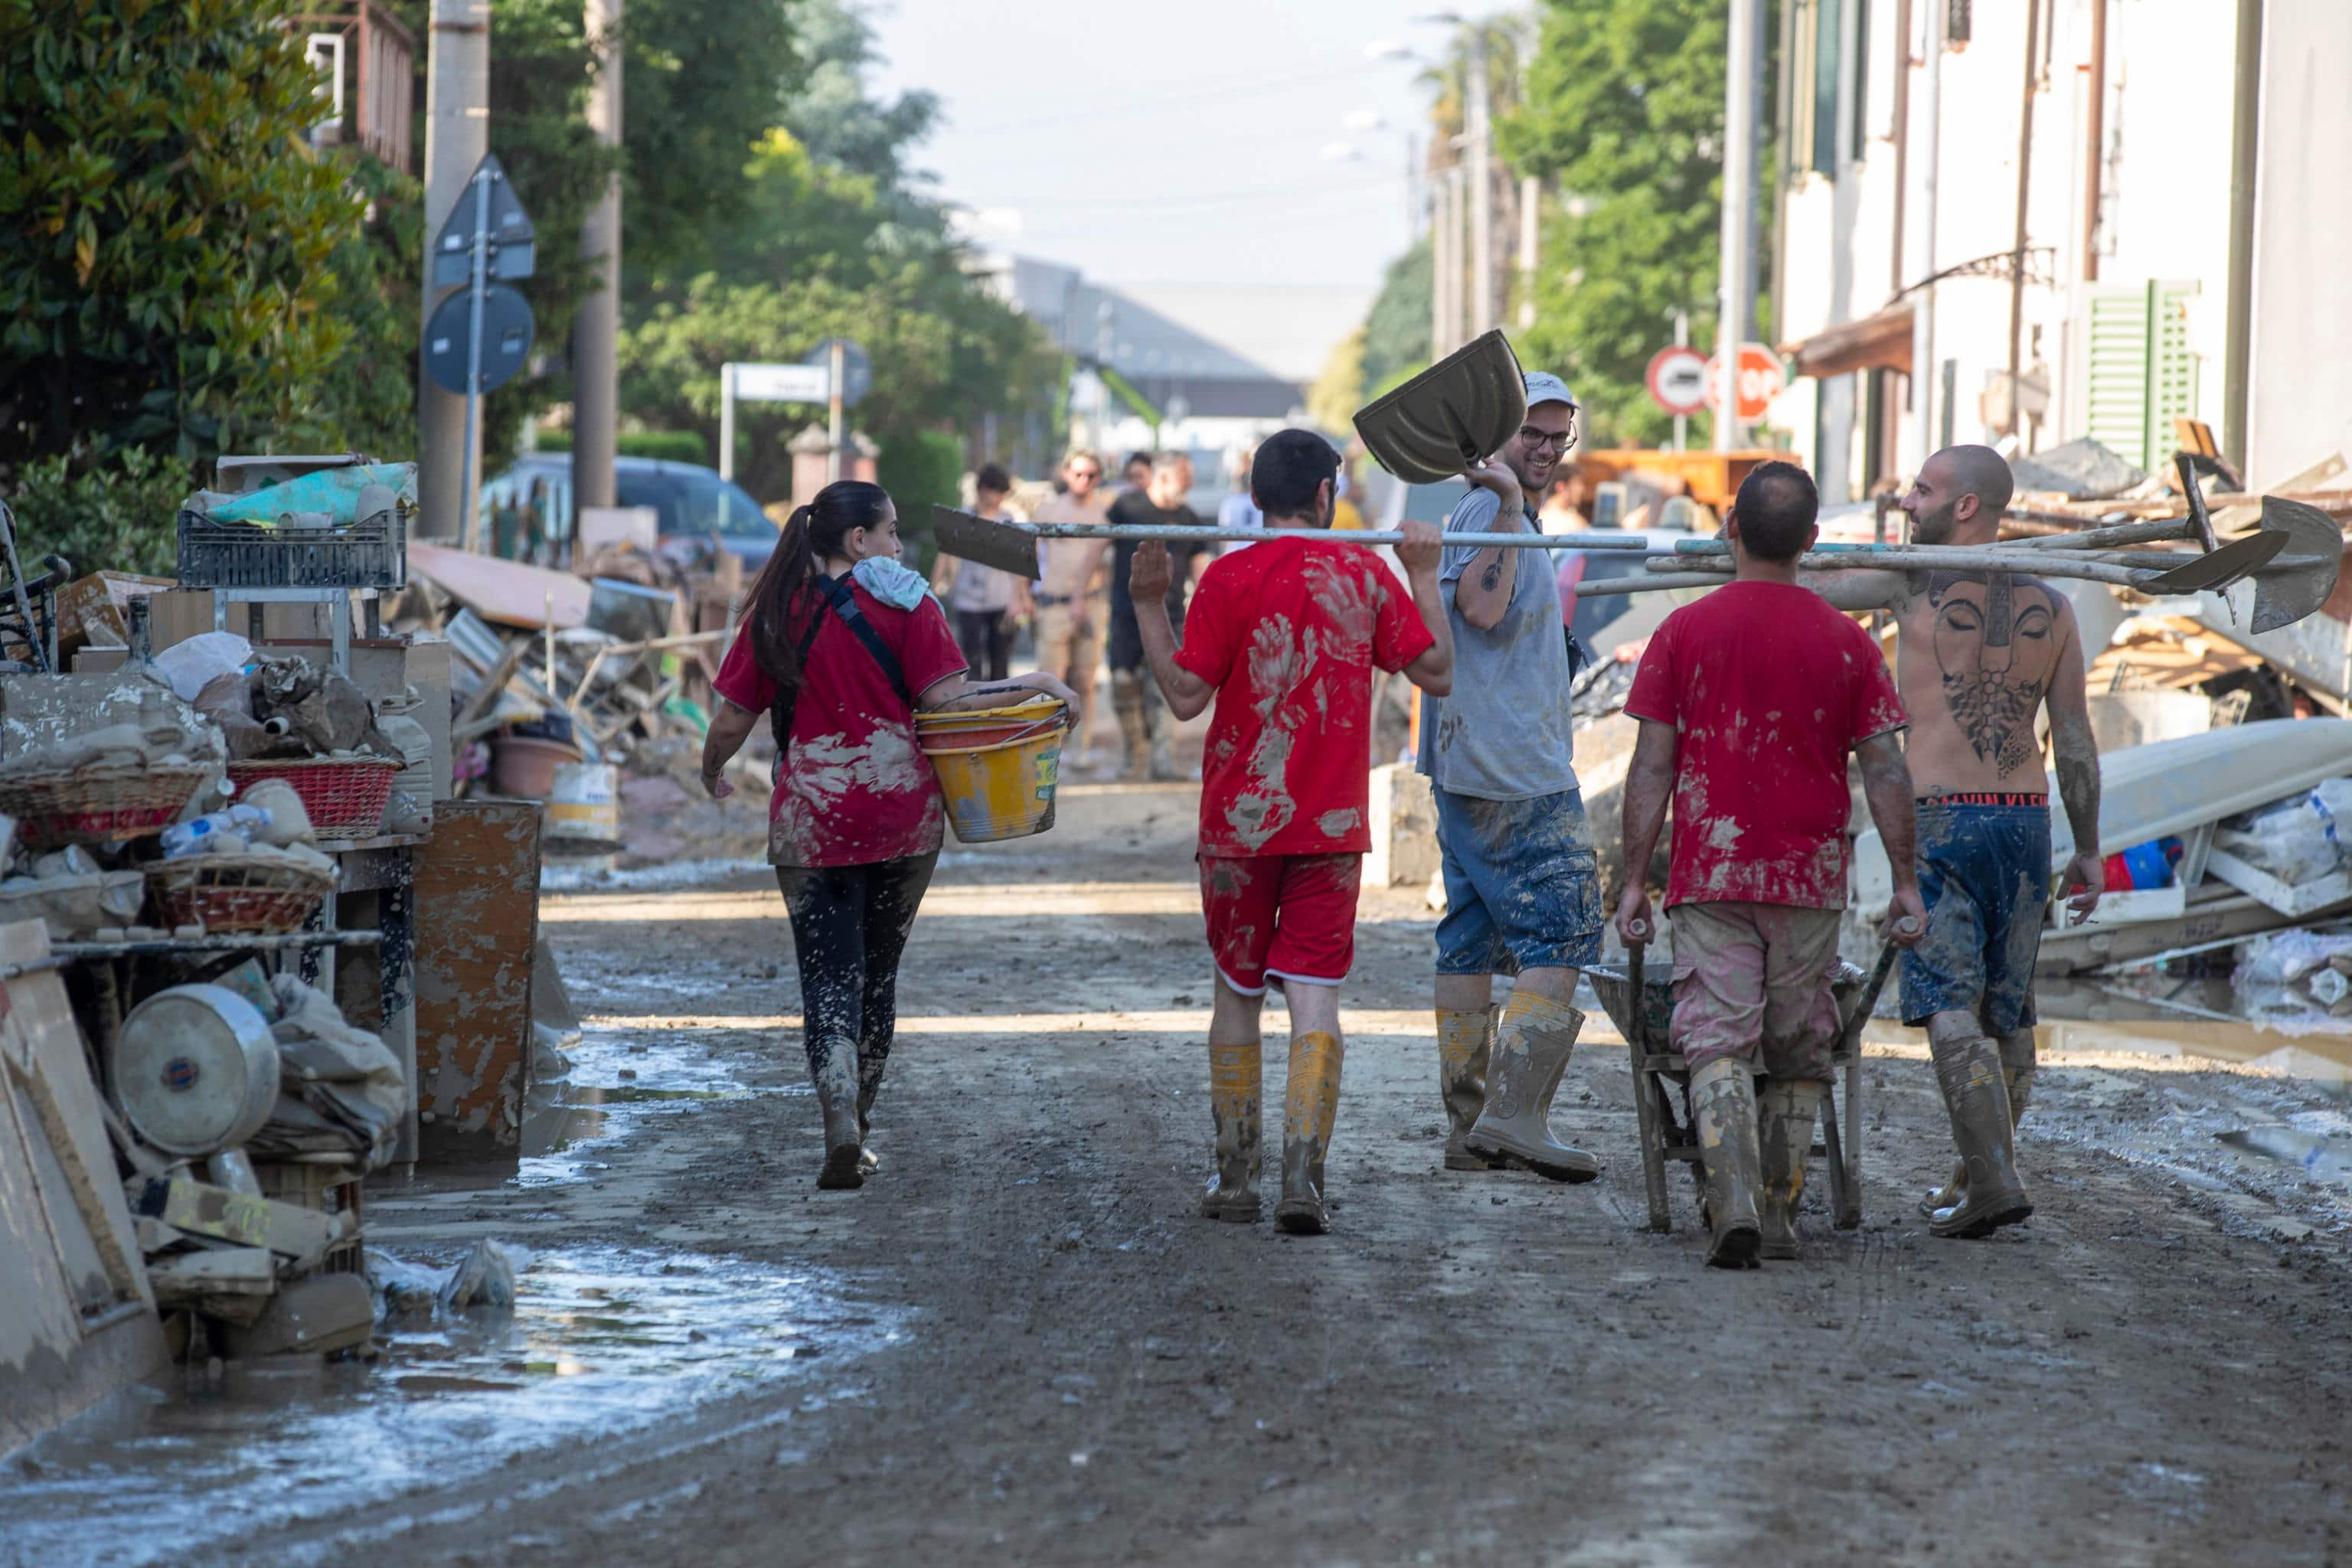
[(1678, 380)]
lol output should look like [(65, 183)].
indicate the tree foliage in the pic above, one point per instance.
[(1624, 114), (169, 281), (1396, 331), (1338, 391)]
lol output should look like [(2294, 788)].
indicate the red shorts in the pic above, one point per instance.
[(1281, 916)]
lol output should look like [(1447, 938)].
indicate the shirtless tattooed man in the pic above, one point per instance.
[(1978, 655)]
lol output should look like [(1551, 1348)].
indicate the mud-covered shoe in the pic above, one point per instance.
[(1466, 1040), (1532, 1043), (1785, 1110), (1977, 1095), (2019, 1082), (1310, 1108), (868, 1161), (833, 1071), (1723, 1111), (843, 1169), (1236, 1088)]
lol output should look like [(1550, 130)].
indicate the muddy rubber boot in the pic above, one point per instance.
[(869, 1085), (1466, 1039), (2020, 1083), (1785, 1112), (1723, 1107), (834, 1073), (1237, 1089), (1310, 1108), (1126, 702), (1970, 1073), (1532, 1043)]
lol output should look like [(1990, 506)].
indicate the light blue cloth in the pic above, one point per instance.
[(1505, 731), (1237, 511), (335, 491), (893, 582)]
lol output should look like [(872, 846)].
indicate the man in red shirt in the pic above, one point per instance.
[(1749, 700), (1284, 635)]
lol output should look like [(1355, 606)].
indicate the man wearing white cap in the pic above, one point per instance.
[(1522, 888)]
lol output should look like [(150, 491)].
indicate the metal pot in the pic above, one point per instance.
[(1461, 409), (196, 1069)]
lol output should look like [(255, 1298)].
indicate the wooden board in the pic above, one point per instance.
[(507, 591), (477, 914)]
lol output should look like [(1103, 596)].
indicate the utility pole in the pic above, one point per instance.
[(1922, 299), (456, 134), (597, 331), (1530, 201), (1738, 213), (1482, 192)]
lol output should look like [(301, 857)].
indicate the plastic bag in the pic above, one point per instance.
[(335, 491), (2295, 977), (191, 665), (2297, 840)]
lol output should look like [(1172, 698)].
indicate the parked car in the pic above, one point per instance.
[(691, 501)]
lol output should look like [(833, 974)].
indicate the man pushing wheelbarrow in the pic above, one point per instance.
[(1750, 701)]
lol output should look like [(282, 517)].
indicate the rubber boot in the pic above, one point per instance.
[(833, 1069), (1126, 702), (1236, 1088), (1466, 1039), (1786, 1109), (2019, 1084), (1308, 1110), (1970, 1073), (1723, 1107), (869, 1085), (1532, 1043)]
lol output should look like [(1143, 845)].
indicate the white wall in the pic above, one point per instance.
[(2299, 408)]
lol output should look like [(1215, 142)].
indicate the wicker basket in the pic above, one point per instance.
[(344, 797), (95, 805), (241, 895)]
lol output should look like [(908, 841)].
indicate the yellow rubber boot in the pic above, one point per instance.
[(1723, 1109), (1532, 1043), (1785, 1110), (1309, 1109), (1237, 1089), (1466, 1038)]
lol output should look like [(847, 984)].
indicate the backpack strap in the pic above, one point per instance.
[(845, 604)]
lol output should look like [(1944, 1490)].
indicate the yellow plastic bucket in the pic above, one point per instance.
[(996, 766)]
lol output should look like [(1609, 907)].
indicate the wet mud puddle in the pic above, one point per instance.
[(600, 1342)]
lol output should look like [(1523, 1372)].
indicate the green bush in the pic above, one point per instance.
[(667, 445), (920, 469), (118, 514)]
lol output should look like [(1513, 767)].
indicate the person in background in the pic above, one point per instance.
[(1134, 477), (1240, 508), (1285, 794), (1346, 517), (1069, 608), (984, 601), (1134, 697), (841, 645)]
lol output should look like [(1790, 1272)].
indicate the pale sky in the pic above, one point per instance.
[(1172, 143)]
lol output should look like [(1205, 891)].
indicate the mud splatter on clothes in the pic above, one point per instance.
[(1769, 690), (1505, 731), (852, 787), (1753, 981), (850, 925), (1289, 632), (1285, 917), (1522, 886), (1984, 876)]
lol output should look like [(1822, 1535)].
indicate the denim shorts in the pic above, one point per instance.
[(1522, 888), (1984, 876)]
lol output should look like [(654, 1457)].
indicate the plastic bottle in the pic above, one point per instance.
[(199, 834)]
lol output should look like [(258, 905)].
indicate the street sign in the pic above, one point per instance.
[(856, 368), (1678, 380), (511, 241), (505, 338), (1760, 380), (781, 382)]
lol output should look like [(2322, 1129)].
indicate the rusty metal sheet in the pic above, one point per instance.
[(476, 933)]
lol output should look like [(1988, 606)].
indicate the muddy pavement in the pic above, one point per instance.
[(1041, 1354)]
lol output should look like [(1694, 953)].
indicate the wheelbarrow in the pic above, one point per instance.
[(1655, 1065)]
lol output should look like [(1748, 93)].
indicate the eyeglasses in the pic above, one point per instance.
[(1086, 473), (1538, 439)]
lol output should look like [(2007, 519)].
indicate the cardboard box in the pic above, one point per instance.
[(91, 609)]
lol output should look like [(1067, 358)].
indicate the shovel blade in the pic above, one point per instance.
[(2294, 588), (967, 536), (1459, 410), (2216, 570)]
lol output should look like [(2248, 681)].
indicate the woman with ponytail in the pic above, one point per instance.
[(840, 645)]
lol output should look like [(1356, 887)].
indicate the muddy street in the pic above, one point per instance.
[(1019, 1343)]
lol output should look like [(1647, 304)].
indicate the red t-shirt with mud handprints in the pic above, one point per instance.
[(1290, 632), (855, 788), (1768, 688)]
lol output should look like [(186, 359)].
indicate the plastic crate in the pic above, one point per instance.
[(371, 554)]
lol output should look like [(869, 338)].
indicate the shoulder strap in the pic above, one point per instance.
[(845, 604)]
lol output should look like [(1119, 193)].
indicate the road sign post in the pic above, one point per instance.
[(1758, 381), (833, 412), (495, 242), (1678, 380), (762, 383)]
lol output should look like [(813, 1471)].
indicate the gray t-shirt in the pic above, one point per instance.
[(1506, 731)]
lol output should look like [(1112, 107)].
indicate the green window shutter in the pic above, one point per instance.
[(2172, 367), (2114, 377)]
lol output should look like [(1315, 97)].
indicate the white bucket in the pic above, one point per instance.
[(585, 802)]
